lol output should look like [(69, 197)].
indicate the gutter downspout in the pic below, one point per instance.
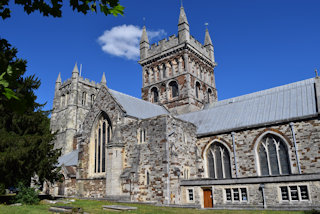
[(295, 145), (168, 163), (234, 153), (263, 196)]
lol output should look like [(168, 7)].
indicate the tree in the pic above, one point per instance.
[(54, 8), (26, 142)]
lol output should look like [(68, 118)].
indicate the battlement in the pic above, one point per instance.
[(163, 45), (86, 81), (89, 82), (65, 83), (199, 46), (173, 41)]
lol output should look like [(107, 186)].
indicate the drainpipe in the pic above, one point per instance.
[(295, 146), (263, 196), (234, 153), (168, 164)]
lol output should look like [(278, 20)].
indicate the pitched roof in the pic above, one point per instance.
[(136, 107), (279, 104), (69, 159)]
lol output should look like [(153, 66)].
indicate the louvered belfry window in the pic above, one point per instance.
[(273, 156), (102, 136), (174, 89), (218, 161)]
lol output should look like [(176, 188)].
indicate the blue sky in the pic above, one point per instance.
[(258, 44)]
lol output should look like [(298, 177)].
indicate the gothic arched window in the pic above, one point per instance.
[(197, 89), (218, 161), (273, 156), (174, 89), (164, 75), (154, 95), (209, 95), (84, 98), (92, 99), (102, 136)]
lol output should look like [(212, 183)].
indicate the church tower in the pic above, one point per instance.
[(178, 73), (72, 101)]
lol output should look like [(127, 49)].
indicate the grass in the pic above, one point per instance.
[(92, 207)]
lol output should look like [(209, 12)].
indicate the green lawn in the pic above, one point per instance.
[(92, 206)]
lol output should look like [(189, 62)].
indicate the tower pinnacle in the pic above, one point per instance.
[(75, 72), (59, 78), (144, 44), (183, 16), (103, 79), (183, 27), (144, 36), (207, 38)]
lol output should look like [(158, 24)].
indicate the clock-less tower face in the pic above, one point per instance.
[(178, 73)]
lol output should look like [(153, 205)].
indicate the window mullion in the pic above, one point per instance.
[(278, 155), (222, 162), (214, 163), (265, 145)]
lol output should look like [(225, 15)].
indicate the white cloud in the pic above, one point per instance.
[(124, 40)]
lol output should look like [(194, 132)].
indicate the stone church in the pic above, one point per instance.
[(179, 145)]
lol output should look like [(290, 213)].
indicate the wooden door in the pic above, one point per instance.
[(207, 198)]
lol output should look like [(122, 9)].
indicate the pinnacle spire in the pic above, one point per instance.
[(59, 78), (207, 38), (75, 72), (75, 69), (103, 79), (183, 16), (144, 36)]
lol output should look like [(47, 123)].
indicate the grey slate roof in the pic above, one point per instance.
[(69, 159), (136, 107), (283, 103)]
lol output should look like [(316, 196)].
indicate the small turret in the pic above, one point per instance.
[(183, 27), (58, 81), (144, 44), (75, 72), (208, 45), (103, 79)]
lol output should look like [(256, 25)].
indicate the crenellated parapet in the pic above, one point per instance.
[(178, 72)]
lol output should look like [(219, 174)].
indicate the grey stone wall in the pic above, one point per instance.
[(307, 138), (69, 109)]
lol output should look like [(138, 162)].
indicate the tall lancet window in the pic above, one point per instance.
[(154, 95), (209, 95), (197, 89), (273, 156), (84, 98), (218, 161), (102, 136), (174, 89)]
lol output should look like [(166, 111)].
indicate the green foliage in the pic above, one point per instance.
[(312, 211), (53, 7), (2, 189), (27, 195), (26, 147)]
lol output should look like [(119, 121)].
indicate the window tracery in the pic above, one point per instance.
[(273, 156), (102, 136), (218, 161)]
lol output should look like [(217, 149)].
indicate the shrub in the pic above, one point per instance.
[(2, 189), (26, 195)]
